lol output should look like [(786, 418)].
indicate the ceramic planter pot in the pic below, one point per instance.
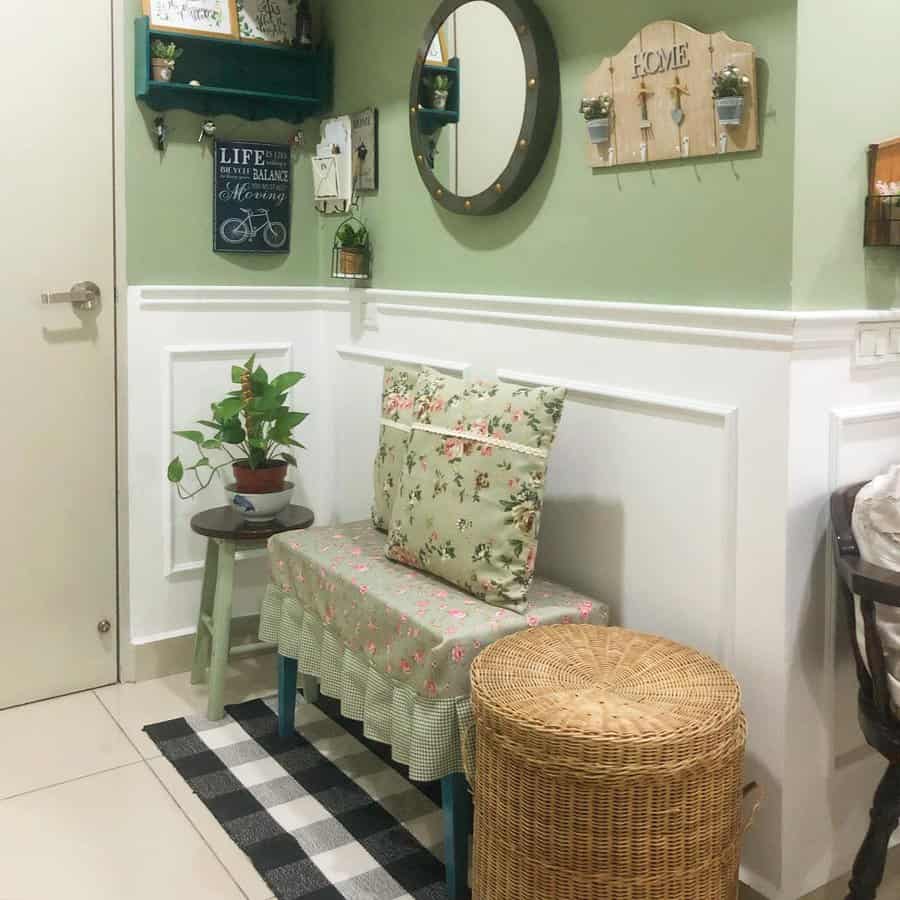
[(730, 110), (352, 261), (269, 480), (259, 507), (162, 69), (598, 130), (439, 99)]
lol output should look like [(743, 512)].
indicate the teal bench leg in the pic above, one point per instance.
[(287, 695), (457, 804)]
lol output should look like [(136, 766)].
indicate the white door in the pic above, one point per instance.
[(57, 364)]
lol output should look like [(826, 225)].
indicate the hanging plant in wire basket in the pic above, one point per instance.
[(351, 255)]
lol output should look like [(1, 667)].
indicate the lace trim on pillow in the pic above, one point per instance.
[(483, 439), (398, 425)]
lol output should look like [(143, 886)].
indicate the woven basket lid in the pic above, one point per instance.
[(605, 700)]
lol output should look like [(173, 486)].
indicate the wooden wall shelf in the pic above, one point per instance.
[(240, 78)]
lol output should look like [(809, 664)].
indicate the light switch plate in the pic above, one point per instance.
[(370, 316), (877, 344)]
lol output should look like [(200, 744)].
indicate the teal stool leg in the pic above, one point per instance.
[(287, 695), (457, 804), (203, 640), (310, 689), (221, 636)]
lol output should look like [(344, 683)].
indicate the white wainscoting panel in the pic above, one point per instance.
[(180, 354), (706, 438), (688, 486)]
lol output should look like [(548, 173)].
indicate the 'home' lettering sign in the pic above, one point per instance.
[(655, 62)]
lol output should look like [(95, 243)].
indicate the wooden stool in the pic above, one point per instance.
[(879, 723), (226, 530)]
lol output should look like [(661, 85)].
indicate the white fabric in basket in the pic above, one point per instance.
[(876, 526)]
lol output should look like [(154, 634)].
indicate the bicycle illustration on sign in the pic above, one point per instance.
[(237, 231)]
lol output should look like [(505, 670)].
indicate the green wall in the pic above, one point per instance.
[(847, 98), (707, 232), (169, 200), (710, 232)]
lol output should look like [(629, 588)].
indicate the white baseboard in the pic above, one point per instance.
[(173, 653)]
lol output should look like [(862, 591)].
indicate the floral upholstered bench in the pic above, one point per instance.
[(395, 646)]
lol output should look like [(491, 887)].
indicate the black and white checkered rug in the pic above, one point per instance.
[(322, 815)]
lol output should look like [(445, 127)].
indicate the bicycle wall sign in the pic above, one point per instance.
[(252, 192)]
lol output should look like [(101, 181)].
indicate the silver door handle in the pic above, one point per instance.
[(84, 295)]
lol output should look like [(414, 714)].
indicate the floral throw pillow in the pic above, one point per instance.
[(396, 417), (469, 505)]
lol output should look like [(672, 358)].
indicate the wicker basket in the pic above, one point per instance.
[(608, 767)]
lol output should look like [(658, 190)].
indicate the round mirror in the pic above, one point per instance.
[(484, 102)]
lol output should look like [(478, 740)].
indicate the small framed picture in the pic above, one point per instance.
[(437, 52), (364, 137), (268, 21), (212, 18)]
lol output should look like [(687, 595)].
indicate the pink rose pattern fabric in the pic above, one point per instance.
[(396, 406), (405, 624), (468, 510)]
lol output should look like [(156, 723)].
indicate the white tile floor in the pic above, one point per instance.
[(89, 809)]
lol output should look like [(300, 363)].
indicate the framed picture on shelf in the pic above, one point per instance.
[(269, 21), (215, 18), (364, 136), (437, 53)]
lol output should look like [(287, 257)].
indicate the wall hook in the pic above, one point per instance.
[(207, 130), (162, 133)]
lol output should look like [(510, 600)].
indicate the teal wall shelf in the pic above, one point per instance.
[(239, 78), (432, 120)]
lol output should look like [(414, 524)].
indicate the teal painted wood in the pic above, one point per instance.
[(221, 636), (241, 78), (287, 695), (457, 805), (310, 689), (432, 120), (203, 638)]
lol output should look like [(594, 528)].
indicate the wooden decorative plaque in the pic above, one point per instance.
[(665, 61)]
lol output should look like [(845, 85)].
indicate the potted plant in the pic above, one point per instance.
[(596, 112), (253, 426), (352, 249), (440, 91), (728, 90), (162, 59)]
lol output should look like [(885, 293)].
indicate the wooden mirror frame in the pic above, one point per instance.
[(542, 97)]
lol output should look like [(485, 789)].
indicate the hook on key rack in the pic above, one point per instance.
[(162, 133)]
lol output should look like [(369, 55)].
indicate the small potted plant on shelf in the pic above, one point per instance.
[(729, 85), (439, 87), (597, 112), (162, 59), (351, 250), (253, 426)]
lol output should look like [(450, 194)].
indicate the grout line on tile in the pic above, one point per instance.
[(121, 728), (200, 834), (57, 784)]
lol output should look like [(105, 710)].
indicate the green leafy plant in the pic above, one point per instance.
[(441, 83), (729, 82), (352, 236), (596, 107), (169, 52), (254, 420)]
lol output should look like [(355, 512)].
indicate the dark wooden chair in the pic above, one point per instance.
[(881, 727)]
